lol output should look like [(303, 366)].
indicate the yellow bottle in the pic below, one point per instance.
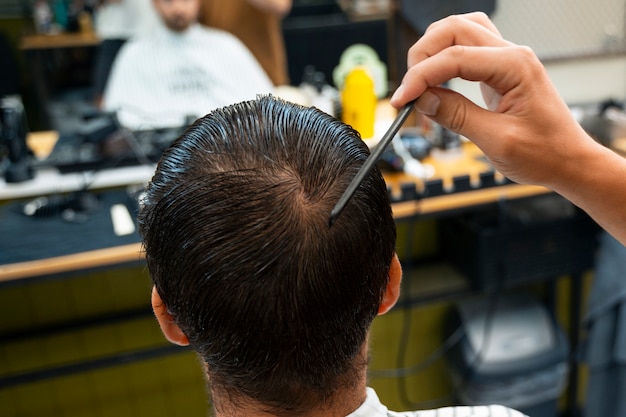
[(358, 101)]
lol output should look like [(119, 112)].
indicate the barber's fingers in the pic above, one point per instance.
[(501, 68), (473, 29)]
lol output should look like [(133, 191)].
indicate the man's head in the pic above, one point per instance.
[(245, 266), (178, 15)]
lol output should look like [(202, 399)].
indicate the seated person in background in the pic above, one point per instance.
[(257, 23), (117, 21), (181, 70), (246, 270)]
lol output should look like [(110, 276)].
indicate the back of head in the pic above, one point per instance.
[(237, 240)]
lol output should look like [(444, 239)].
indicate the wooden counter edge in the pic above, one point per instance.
[(37, 42), (462, 200), (74, 262)]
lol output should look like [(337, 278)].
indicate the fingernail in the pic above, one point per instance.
[(396, 95), (428, 103)]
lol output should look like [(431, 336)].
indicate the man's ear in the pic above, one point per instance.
[(393, 287), (170, 329)]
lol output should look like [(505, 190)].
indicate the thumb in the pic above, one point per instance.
[(457, 113)]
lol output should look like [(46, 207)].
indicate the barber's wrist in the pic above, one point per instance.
[(583, 169)]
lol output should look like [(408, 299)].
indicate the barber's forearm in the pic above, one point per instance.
[(596, 182)]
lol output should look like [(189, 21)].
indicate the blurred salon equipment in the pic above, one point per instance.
[(512, 352), (13, 131)]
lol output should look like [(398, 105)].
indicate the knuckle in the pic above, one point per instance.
[(525, 53), (457, 52), (527, 60), (480, 16)]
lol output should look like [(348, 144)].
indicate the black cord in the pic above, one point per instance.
[(434, 356), (406, 327), (493, 296), (402, 371), (133, 142), (478, 358)]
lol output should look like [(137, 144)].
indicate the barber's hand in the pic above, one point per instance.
[(527, 129)]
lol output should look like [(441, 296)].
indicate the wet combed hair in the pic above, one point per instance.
[(236, 231)]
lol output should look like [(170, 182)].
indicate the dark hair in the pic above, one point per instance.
[(235, 228)]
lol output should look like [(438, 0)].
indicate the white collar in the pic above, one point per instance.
[(371, 407)]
